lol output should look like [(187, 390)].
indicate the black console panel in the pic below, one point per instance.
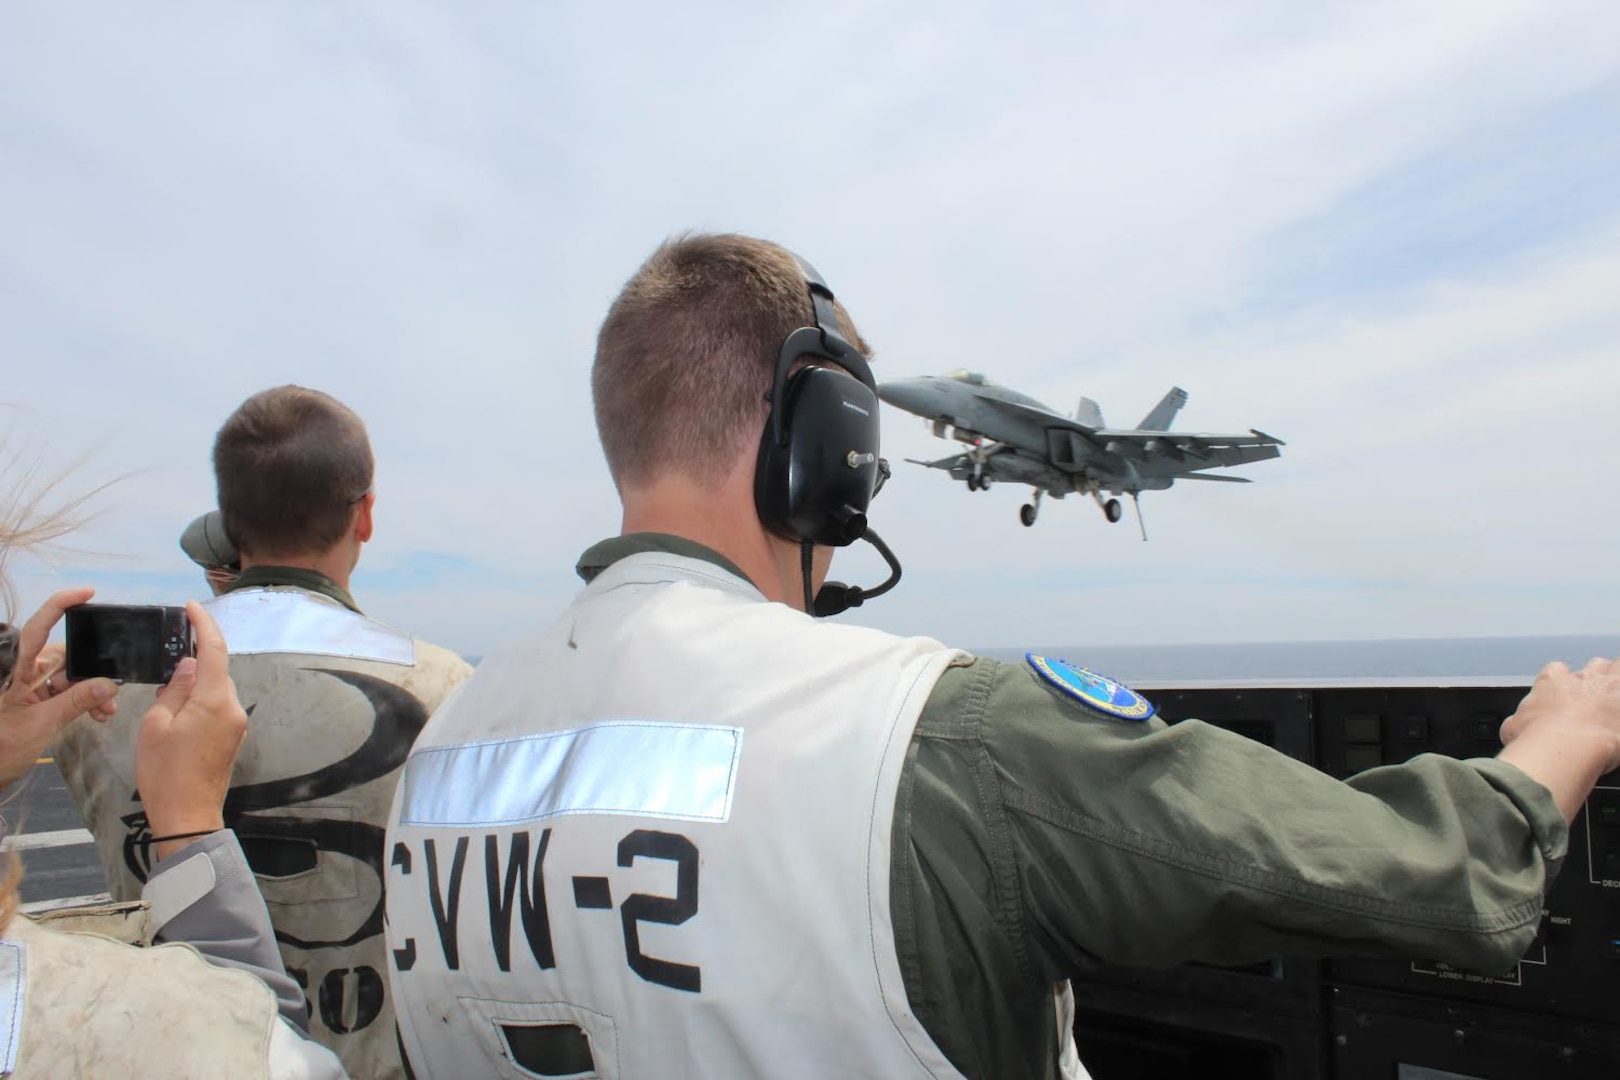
[(1403, 1037), (1573, 968), (1555, 1014)]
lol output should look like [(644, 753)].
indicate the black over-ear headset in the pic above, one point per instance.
[(818, 464)]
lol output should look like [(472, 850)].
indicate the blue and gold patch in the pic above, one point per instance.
[(1092, 690)]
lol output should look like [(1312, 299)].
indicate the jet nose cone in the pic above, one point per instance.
[(911, 395)]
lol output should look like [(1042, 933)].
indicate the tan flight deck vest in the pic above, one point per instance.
[(656, 844), (334, 700), (83, 1005)]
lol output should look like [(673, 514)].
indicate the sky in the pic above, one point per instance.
[(1388, 233)]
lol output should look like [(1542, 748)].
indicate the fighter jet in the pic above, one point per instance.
[(1015, 438)]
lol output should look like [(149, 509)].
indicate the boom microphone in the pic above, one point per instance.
[(835, 597)]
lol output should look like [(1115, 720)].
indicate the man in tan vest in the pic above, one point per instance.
[(334, 700)]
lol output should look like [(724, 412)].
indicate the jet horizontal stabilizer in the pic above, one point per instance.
[(1214, 478)]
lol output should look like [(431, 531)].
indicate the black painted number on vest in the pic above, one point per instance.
[(516, 886), (361, 988), (665, 910)]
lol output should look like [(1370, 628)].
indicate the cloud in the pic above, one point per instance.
[(1383, 234)]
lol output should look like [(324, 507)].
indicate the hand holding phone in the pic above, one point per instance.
[(127, 644), (188, 742), (38, 702)]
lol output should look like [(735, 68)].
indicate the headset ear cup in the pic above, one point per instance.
[(817, 485)]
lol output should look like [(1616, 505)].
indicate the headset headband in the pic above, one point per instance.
[(823, 340)]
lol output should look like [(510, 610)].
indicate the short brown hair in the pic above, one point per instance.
[(290, 464), (684, 358)]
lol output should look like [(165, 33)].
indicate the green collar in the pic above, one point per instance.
[(261, 577), (598, 557)]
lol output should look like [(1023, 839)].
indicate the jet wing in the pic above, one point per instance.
[(958, 465), (1178, 453)]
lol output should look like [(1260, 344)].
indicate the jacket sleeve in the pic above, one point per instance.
[(1151, 845), (205, 896)]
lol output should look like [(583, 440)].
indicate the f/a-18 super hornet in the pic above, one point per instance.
[(1015, 438)]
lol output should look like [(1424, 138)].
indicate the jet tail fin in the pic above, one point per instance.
[(1089, 414), (1164, 413)]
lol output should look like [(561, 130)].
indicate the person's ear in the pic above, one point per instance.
[(362, 517)]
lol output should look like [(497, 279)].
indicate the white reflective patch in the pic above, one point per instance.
[(177, 888), (286, 620), (650, 769), (13, 1001)]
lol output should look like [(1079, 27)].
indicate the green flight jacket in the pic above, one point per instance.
[(265, 577), (1034, 837)]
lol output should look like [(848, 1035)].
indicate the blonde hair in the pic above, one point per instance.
[(26, 523), (10, 883)]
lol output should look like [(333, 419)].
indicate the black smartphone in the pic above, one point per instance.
[(130, 644)]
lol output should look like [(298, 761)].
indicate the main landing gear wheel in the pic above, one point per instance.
[(1113, 511), (1026, 514)]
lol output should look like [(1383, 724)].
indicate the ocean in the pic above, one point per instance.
[(1509, 658), (1512, 659)]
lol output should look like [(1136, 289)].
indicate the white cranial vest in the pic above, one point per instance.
[(656, 843), (81, 1005), (334, 701)]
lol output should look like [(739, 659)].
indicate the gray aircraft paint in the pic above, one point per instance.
[(1014, 438)]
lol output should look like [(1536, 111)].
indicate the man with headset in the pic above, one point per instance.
[(691, 831)]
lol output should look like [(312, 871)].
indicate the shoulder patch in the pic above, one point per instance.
[(1092, 690)]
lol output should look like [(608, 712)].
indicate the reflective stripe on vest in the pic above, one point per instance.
[(682, 772)]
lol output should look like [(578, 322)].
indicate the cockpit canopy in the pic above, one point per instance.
[(972, 378)]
